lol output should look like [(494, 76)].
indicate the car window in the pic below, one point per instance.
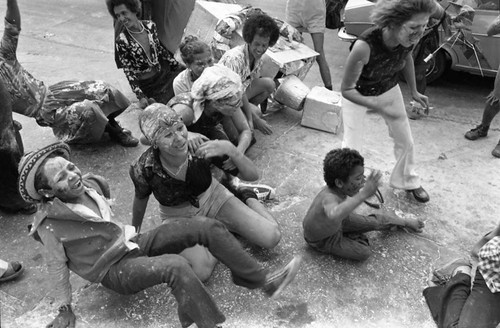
[(488, 4)]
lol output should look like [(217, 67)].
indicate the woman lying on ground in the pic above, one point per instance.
[(77, 111), (183, 184), (150, 68), (459, 296)]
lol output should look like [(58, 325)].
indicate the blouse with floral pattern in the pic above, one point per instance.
[(238, 60), (134, 60)]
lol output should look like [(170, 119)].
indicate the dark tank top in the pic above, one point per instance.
[(380, 74)]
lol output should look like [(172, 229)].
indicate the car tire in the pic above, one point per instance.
[(437, 66)]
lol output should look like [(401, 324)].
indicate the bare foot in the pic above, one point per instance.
[(416, 225)]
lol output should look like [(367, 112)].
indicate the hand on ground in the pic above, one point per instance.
[(262, 126), (416, 225), (65, 319)]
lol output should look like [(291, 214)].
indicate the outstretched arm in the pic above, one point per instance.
[(13, 15), (58, 273)]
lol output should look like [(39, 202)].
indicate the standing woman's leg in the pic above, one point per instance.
[(353, 116), (403, 175)]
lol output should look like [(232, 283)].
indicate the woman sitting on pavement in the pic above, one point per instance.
[(458, 298), (371, 82), (77, 111), (149, 67), (212, 110), (259, 32), (184, 186), (197, 56)]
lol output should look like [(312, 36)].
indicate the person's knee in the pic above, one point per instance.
[(273, 237), (203, 270), (268, 85)]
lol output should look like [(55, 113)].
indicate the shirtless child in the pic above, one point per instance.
[(330, 225)]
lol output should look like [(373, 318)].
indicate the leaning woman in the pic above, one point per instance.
[(371, 82), (149, 67), (183, 184)]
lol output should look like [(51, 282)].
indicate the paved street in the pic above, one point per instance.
[(67, 39)]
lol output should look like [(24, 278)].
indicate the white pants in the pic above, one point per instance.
[(3, 267), (403, 175)]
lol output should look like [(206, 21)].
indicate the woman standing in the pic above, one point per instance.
[(150, 68), (371, 82), (184, 186)]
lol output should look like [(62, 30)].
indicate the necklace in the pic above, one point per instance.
[(179, 169), (142, 30)]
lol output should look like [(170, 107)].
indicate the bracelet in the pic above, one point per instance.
[(65, 308)]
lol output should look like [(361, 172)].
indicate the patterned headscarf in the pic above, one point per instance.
[(216, 82), (155, 118)]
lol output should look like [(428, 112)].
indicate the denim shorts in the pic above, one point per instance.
[(210, 201)]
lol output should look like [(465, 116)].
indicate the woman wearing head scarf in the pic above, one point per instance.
[(149, 67), (183, 184), (371, 82), (212, 110)]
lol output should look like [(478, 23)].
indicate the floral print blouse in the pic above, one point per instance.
[(134, 60), (238, 60)]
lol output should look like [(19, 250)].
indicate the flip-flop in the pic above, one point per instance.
[(380, 200), (14, 275)]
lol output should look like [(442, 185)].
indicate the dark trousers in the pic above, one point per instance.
[(156, 262), (456, 305)]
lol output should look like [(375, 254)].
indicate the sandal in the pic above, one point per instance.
[(380, 200), (17, 268)]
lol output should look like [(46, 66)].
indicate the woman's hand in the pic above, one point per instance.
[(423, 100), (216, 148), (262, 125), (195, 140)]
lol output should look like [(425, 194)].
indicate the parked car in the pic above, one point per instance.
[(481, 56)]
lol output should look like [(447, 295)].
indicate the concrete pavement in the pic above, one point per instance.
[(64, 39)]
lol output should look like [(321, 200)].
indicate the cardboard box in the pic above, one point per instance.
[(322, 110)]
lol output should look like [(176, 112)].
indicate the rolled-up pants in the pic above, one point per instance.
[(403, 175), (157, 262)]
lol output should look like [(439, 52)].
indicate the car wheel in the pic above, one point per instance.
[(437, 66)]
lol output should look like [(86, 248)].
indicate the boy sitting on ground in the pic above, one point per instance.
[(330, 225)]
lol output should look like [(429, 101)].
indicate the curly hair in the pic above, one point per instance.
[(339, 163), (389, 13), (132, 5), (262, 25), (190, 47)]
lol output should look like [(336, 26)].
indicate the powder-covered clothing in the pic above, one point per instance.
[(149, 177), (73, 109), (489, 263), (134, 60), (183, 82), (238, 60), (380, 74), (77, 239)]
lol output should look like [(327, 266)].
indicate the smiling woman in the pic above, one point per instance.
[(149, 67), (371, 82)]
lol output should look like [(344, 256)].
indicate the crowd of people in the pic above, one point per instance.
[(198, 119)]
